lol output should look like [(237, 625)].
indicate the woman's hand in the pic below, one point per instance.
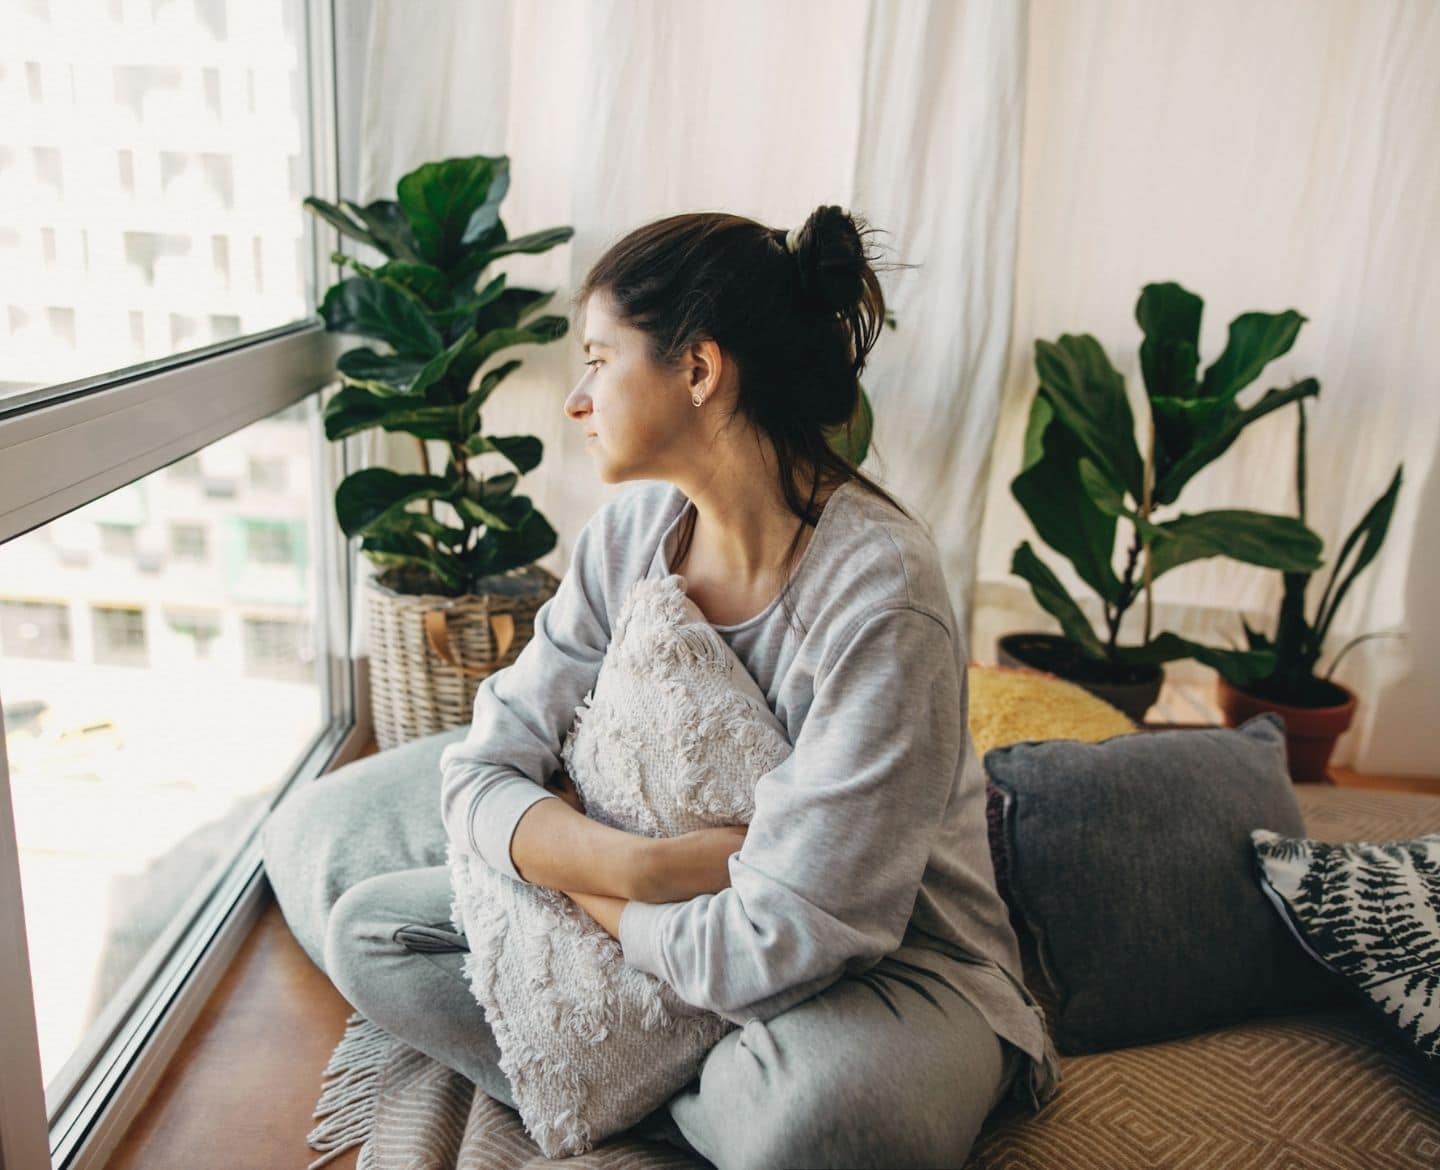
[(693, 863)]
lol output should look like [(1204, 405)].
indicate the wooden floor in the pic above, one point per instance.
[(241, 1091)]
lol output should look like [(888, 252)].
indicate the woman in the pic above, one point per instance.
[(853, 931)]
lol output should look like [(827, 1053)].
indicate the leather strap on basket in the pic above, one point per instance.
[(437, 633)]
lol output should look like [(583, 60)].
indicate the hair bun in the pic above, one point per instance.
[(831, 257)]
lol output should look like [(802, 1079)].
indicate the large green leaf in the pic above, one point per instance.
[(524, 451), (338, 218), (1239, 666), (1273, 542), (439, 198), (508, 309), (448, 371), (1050, 490), (405, 548), (388, 226), (541, 241), (470, 408), (1214, 440), (1169, 316), (369, 498), (499, 551), (1088, 395), (424, 282), (356, 408), (504, 512), (1371, 530), (1256, 339), (371, 308), (1055, 600), (537, 332), (495, 488), (383, 373), (466, 305), (484, 219)]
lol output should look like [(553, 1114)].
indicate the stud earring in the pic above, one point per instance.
[(695, 399)]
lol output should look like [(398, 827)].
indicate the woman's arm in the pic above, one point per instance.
[(562, 848), (558, 846)]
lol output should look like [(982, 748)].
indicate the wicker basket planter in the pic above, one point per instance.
[(429, 653)]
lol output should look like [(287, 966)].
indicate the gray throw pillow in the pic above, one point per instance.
[(1131, 864)]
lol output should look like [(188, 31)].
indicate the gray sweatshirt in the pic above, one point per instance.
[(869, 835)]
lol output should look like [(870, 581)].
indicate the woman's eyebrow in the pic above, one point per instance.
[(592, 343)]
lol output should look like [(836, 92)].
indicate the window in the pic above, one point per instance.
[(277, 648), (200, 627), (131, 718), (270, 544), (160, 330), (119, 635), (117, 540), (34, 629), (187, 468), (180, 165), (268, 473), (189, 542)]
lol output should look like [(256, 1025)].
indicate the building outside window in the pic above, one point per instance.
[(268, 543), (187, 468), (277, 648), (201, 627), (117, 540), (268, 473), (189, 542), (120, 635), (35, 629)]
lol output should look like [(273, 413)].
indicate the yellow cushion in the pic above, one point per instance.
[(1009, 705)]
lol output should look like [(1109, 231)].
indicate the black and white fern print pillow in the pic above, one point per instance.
[(1370, 912)]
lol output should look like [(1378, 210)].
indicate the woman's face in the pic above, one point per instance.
[(638, 418)]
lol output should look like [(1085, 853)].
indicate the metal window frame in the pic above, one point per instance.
[(61, 448)]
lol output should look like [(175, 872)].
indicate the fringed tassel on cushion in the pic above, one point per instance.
[(348, 1101)]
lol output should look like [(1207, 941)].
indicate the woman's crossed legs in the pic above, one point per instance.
[(891, 1067)]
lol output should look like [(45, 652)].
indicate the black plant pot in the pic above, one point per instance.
[(1133, 689)]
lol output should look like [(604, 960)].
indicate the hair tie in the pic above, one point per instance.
[(792, 239)]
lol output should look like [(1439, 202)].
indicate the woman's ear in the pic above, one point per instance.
[(706, 366)]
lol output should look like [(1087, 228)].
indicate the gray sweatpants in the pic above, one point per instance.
[(892, 1067)]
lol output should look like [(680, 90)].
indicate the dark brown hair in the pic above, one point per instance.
[(798, 326)]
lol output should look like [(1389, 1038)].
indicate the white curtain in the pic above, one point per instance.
[(1041, 162), (614, 114)]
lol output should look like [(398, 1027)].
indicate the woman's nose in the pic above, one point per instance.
[(577, 404)]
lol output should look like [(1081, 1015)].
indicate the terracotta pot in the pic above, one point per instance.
[(1132, 689), (1310, 732)]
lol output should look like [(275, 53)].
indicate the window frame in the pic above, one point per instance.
[(63, 447)]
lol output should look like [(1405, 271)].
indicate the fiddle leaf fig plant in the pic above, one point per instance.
[(1084, 476), (433, 331)]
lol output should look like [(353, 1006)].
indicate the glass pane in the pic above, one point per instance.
[(153, 160), (160, 679)]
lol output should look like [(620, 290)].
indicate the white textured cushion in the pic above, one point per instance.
[(674, 738)]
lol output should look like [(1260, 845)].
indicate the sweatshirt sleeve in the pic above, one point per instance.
[(523, 711), (840, 839)]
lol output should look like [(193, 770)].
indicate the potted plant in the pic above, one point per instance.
[(1083, 475), (459, 589), (1316, 710)]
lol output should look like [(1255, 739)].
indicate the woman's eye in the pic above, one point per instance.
[(594, 361)]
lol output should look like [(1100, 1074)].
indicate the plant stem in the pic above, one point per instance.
[(1146, 506), (425, 469), (1127, 593)]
